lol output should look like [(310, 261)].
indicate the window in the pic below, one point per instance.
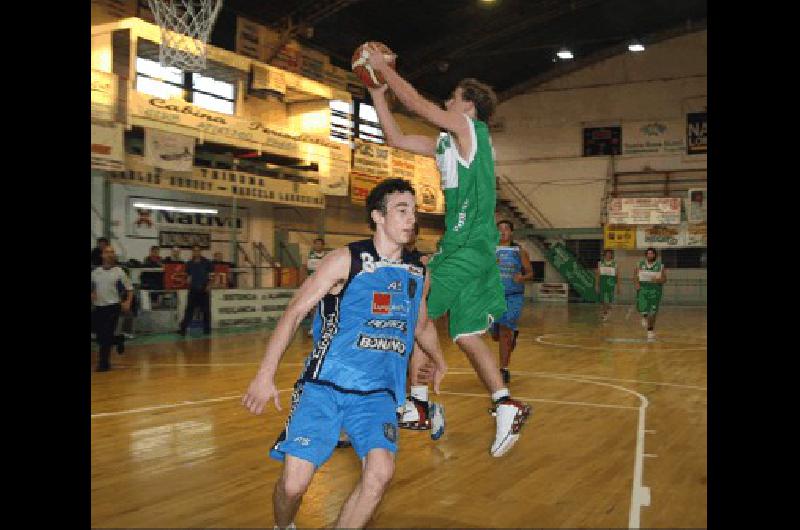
[(213, 94), (157, 80), (368, 126), (683, 258), (341, 121)]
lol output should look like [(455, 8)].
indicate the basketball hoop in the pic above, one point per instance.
[(185, 28)]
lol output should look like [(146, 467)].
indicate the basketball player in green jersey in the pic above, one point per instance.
[(464, 277), (649, 277), (607, 282)]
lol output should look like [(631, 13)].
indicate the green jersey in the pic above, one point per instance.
[(648, 273), (469, 190)]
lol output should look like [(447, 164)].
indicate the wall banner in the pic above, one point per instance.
[(644, 211), (653, 138)]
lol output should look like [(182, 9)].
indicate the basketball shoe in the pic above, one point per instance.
[(511, 415)]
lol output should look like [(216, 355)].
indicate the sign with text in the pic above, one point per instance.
[(619, 237), (248, 307), (672, 236), (170, 239), (221, 183), (108, 146), (578, 277), (104, 95), (697, 133), (644, 211), (177, 116), (696, 206), (653, 138), (184, 229)]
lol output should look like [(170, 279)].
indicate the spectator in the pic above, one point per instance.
[(175, 257), (199, 270), (97, 252), (108, 281), (154, 258)]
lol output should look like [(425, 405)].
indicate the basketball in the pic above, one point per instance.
[(364, 71)]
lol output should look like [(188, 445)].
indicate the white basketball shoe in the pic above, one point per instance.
[(511, 415), (437, 420), (651, 336)]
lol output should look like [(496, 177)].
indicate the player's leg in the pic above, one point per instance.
[(289, 489), (314, 422), (377, 471), (506, 337), (371, 424), (655, 300), (415, 413)]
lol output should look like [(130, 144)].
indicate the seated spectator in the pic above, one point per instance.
[(154, 258)]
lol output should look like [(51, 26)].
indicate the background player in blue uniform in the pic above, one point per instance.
[(515, 268), (370, 300)]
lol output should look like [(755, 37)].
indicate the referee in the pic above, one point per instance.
[(108, 282)]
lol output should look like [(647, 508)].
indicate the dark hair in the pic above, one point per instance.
[(608, 250), (506, 222), (155, 247), (377, 198), (655, 252), (481, 95), (320, 240), (104, 239)]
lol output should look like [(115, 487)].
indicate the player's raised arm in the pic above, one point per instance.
[(333, 270), (423, 145), (450, 120)]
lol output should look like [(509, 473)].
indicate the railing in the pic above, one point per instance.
[(517, 195)]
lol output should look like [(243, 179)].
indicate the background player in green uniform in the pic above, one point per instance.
[(464, 278), (649, 277), (607, 282)]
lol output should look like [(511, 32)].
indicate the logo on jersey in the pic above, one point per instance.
[(303, 440), (381, 303), (390, 432), (378, 323), (413, 269), (367, 262), (370, 342), (396, 286)]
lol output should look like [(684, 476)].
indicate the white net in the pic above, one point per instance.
[(185, 28)]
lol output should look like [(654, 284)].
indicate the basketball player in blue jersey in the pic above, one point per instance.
[(370, 308), (515, 268)]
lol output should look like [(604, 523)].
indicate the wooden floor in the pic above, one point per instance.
[(173, 447)]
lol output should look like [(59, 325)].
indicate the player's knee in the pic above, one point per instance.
[(293, 487), (377, 476)]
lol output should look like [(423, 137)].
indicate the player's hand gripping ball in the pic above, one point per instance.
[(362, 68)]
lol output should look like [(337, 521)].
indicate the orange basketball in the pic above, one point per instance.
[(364, 71)]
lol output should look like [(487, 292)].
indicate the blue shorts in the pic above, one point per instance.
[(511, 316), (319, 413)]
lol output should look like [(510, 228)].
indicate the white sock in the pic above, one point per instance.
[(419, 392), (503, 392)]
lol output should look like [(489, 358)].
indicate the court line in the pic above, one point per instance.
[(544, 400), (640, 495), (171, 405), (540, 340), (450, 371)]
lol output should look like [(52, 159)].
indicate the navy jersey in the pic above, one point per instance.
[(510, 264), (364, 335)]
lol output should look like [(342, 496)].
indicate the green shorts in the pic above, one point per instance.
[(466, 283), (607, 287), (648, 300)]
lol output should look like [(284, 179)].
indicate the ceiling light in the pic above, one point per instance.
[(636, 46), (564, 54), (181, 209)]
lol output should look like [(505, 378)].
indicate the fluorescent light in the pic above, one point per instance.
[(181, 209), (564, 53), (636, 46)]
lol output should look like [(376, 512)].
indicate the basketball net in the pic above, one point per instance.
[(185, 28)]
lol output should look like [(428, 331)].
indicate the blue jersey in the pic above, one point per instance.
[(364, 335), (510, 264)]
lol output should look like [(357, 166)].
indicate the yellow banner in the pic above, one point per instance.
[(619, 237)]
